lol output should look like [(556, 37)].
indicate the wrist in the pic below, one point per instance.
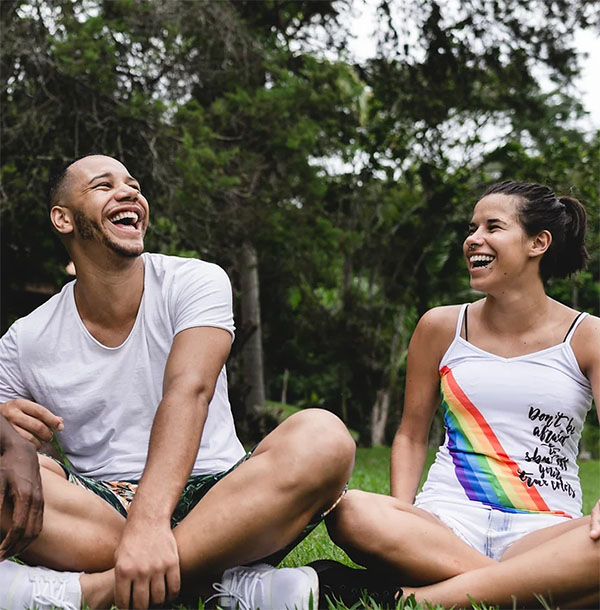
[(150, 514)]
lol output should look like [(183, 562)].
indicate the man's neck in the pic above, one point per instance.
[(108, 298)]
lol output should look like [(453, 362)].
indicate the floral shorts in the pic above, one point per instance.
[(120, 494)]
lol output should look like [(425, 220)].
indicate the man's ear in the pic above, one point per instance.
[(62, 219), (540, 243)]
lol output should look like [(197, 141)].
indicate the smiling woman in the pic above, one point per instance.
[(515, 373)]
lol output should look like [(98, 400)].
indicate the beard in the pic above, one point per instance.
[(90, 230)]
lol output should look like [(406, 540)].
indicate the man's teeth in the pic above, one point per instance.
[(122, 215)]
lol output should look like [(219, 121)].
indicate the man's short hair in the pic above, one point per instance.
[(57, 178)]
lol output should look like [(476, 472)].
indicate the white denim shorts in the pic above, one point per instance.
[(488, 530)]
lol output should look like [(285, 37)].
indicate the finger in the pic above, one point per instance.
[(141, 594), (157, 590), (13, 541), (595, 522), (12, 544), (41, 413), (122, 592), (173, 578), (3, 545), (28, 436), (35, 520), (33, 425)]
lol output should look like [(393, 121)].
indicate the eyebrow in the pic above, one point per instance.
[(491, 221), (110, 175)]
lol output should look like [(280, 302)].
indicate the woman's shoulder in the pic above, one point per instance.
[(442, 318), (585, 343), (433, 335), (437, 327)]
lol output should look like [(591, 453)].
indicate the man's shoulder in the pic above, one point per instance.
[(48, 310), (165, 266)]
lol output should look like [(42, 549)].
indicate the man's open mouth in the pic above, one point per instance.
[(126, 219)]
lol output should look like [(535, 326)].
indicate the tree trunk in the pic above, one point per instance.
[(252, 353), (379, 416), (284, 387)]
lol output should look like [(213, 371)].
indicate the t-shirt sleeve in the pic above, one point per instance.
[(11, 382), (202, 297)]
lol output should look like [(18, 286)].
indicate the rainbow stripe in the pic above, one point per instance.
[(482, 466)]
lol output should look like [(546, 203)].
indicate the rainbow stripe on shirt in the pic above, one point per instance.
[(483, 468)]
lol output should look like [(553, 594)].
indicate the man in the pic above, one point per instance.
[(126, 367)]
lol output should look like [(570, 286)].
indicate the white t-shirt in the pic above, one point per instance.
[(108, 396)]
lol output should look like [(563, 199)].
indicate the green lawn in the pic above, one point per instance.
[(371, 473)]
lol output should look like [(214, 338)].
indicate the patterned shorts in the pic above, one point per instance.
[(120, 494)]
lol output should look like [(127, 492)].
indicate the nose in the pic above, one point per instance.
[(473, 239), (127, 193)]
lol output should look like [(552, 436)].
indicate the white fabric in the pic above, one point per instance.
[(488, 530), (108, 396), (513, 447)]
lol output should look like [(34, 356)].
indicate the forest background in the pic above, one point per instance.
[(335, 193)]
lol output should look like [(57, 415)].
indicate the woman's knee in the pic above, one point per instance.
[(351, 519)]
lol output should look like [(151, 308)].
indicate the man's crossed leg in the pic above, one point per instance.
[(296, 473)]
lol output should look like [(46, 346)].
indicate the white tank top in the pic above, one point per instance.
[(512, 428)]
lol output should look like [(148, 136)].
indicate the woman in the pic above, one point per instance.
[(500, 514)]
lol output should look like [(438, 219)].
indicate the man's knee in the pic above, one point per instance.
[(310, 454), (49, 464), (323, 428)]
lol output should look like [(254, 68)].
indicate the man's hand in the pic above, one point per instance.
[(21, 487), (595, 522), (146, 565), (32, 421)]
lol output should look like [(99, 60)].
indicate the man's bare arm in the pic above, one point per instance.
[(147, 563)]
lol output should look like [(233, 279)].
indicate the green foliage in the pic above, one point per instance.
[(353, 182)]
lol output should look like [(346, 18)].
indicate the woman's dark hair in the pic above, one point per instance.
[(565, 218)]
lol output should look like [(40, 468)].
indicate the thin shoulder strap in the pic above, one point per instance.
[(459, 323), (576, 322)]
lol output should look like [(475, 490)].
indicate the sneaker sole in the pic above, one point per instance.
[(349, 585)]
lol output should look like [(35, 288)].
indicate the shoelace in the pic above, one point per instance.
[(248, 589), (50, 592), (224, 591)]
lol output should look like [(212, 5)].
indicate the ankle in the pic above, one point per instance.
[(97, 590)]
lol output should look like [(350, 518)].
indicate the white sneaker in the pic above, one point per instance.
[(24, 587), (263, 587)]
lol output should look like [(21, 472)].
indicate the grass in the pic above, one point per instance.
[(371, 473)]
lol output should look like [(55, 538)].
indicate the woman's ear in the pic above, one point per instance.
[(62, 219), (540, 243)]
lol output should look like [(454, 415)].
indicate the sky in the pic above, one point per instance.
[(362, 24), (589, 83)]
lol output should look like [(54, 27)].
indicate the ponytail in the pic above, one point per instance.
[(574, 255)]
